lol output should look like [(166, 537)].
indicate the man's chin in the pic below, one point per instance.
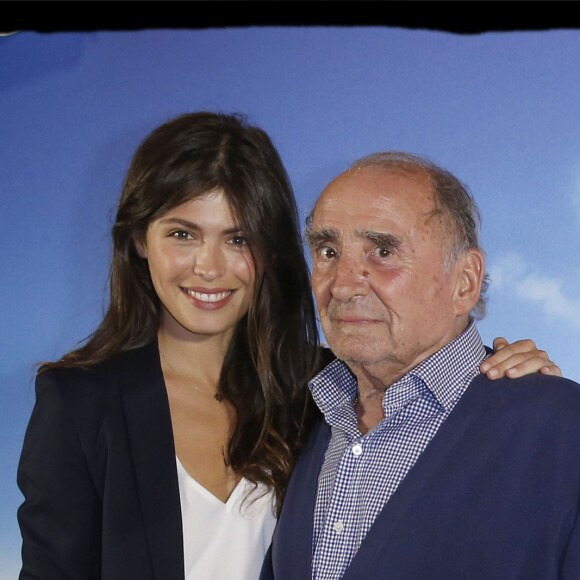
[(360, 358), (360, 347)]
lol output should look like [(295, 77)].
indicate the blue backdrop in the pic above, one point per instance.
[(501, 110)]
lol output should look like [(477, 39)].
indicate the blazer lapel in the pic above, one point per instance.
[(150, 434)]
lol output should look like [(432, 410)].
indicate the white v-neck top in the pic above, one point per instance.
[(224, 540)]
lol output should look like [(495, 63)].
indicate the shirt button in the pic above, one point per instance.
[(339, 527), (357, 449)]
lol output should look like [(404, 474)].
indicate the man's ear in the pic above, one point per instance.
[(140, 246), (470, 272)]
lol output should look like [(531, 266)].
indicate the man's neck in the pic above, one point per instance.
[(374, 379)]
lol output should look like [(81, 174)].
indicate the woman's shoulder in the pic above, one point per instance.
[(94, 404), (96, 377)]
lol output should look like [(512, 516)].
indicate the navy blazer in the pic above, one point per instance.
[(495, 495), (99, 477)]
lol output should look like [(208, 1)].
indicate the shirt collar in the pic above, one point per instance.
[(445, 371), (444, 374)]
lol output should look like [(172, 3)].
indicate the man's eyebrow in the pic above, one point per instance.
[(316, 236), (381, 239)]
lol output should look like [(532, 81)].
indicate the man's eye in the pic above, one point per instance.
[(383, 252), (327, 252)]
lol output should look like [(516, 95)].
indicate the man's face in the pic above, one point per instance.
[(384, 295)]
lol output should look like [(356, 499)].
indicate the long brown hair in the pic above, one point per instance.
[(274, 350)]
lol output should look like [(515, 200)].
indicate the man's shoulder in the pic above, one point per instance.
[(544, 393), (537, 412), (533, 384)]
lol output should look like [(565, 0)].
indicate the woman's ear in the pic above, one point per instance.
[(140, 246), (471, 267)]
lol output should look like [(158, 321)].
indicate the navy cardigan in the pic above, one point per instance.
[(495, 496)]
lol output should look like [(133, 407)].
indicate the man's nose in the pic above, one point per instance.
[(209, 262), (350, 278)]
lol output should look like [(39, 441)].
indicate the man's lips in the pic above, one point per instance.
[(354, 319)]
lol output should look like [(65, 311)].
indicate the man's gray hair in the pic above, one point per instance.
[(452, 197)]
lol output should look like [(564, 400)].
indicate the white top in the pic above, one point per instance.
[(224, 540)]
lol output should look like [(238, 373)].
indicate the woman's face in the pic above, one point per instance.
[(201, 267)]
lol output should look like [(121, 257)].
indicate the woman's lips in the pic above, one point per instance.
[(207, 299)]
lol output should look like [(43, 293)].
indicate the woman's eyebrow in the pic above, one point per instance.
[(235, 229), (181, 222)]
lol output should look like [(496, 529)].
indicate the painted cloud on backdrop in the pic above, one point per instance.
[(512, 274)]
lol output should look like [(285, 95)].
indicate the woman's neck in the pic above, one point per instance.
[(199, 361)]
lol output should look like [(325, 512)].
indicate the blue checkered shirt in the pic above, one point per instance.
[(361, 472)]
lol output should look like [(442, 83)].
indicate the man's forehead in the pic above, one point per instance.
[(374, 192)]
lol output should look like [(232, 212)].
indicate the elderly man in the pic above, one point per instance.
[(423, 469)]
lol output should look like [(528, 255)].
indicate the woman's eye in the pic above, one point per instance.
[(181, 235), (237, 241)]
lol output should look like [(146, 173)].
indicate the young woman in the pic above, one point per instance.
[(162, 447)]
